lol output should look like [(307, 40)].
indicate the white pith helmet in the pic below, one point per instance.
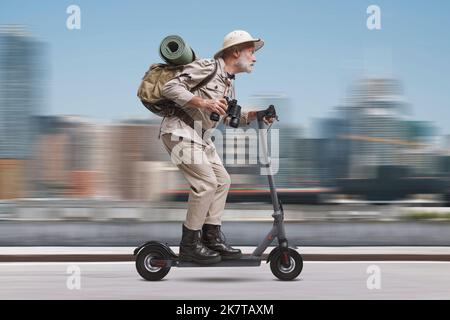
[(237, 37)]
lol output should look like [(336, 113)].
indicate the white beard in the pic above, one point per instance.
[(243, 65)]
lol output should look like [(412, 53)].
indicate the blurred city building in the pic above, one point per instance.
[(76, 158), (378, 152), (63, 154), (336, 156), (22, 91), (373, 130), (378, 132)]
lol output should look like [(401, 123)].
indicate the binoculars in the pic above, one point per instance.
[(233, 111)]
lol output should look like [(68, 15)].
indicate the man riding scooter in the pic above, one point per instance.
[(209, 181)]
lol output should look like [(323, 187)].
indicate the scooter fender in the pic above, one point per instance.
[(158, 245), (275, 251)]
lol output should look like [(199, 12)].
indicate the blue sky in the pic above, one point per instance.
[(314, 49)]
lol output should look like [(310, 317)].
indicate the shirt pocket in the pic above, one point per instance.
[(214, 90)]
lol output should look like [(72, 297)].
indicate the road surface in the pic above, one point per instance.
[(319, 280)]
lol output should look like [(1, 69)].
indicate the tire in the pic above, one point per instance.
[(283, 273), (144, 267)]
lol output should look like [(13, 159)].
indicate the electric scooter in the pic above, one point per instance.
[(155, 259)]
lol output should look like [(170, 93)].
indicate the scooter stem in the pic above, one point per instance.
[(269, 113)]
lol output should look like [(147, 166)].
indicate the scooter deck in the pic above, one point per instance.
[(245, 261)]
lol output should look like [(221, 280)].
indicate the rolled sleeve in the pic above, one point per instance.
[(177, 93)]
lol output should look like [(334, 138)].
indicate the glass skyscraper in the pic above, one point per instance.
[(21, 90)]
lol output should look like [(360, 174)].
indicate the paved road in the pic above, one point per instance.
[(319, 280)]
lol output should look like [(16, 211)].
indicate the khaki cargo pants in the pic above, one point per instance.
[(209, 181)]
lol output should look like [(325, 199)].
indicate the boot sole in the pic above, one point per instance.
[(200, 261)]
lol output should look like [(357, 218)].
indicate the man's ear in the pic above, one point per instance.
[(236, 53)]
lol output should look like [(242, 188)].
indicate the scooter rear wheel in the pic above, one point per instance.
[(144, 266), (281, 270)]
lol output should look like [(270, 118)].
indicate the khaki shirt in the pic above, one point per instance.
[(179, 90)]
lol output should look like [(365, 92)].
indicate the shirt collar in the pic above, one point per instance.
[(223, 73)]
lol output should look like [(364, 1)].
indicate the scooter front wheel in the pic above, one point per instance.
[(286, 266), (144, 264)]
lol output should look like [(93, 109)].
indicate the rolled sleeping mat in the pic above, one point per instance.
[(174, 50)]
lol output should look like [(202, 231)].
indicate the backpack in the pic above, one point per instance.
[(150, 90)]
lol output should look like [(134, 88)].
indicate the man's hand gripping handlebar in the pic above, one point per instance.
[(268, 115)]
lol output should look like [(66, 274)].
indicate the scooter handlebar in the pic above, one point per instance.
[(270, 112)]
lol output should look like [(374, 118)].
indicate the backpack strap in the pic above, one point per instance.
[(205, 81)]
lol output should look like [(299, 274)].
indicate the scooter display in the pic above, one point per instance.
[(155, 259)]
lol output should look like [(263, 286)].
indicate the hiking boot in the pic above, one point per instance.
[(212, 238), (192, 248)]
